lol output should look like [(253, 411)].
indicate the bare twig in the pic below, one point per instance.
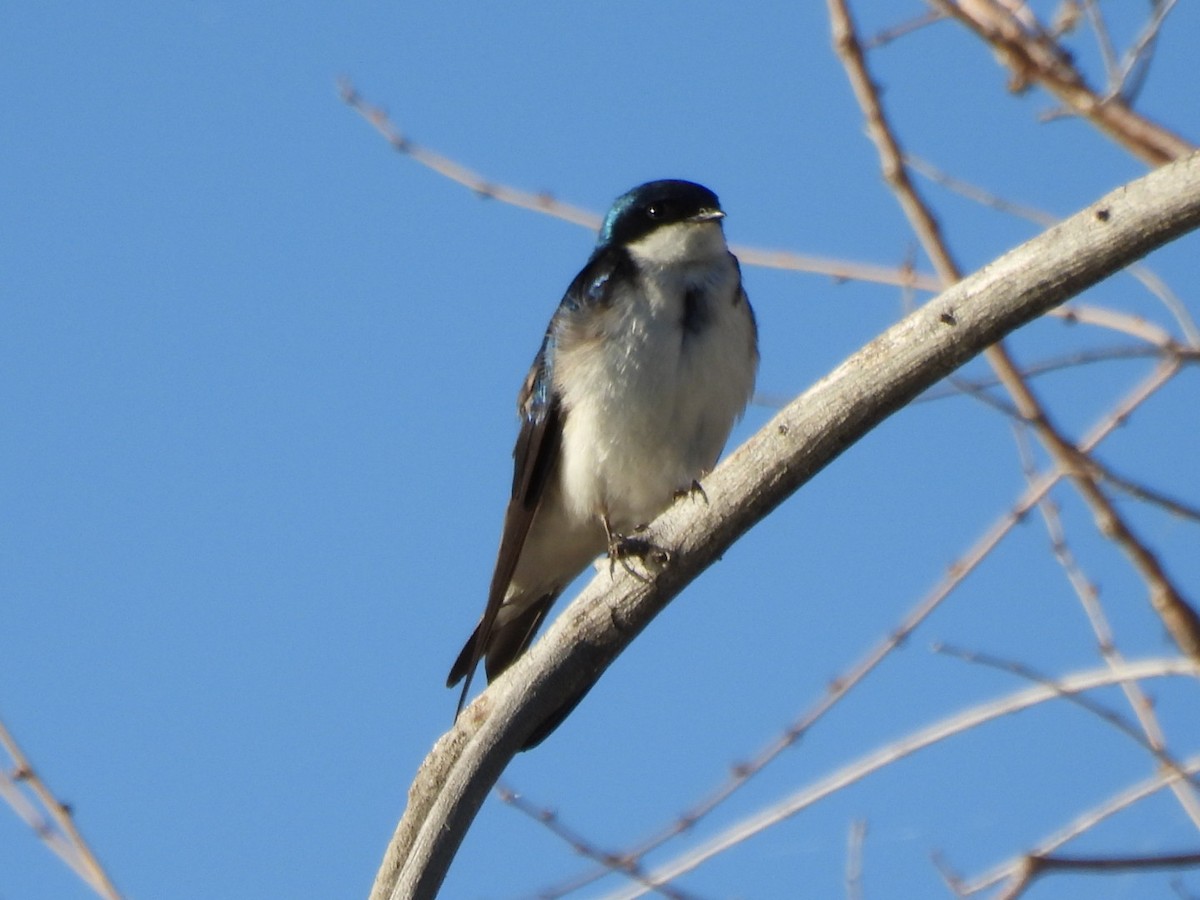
[(1032, 56), (1137, 59), (1114, 320), (1146, 494), (872, 762), (1089, 598), (1108, 52), (50, 818), (1152, 744), (908, 26), (1176, 613), (613, 862), (841, 270), (460, 174), (1033, 867), (1080, 825), (962, 384), (977, 194), (854, 859)]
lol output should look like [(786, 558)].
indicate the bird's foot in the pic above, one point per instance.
[(623, 547), (696, 489)]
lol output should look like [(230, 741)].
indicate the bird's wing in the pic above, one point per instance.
[(533, 457), (535, 453)]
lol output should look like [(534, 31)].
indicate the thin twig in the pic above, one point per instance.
[(854, 859), (872, 762), (1108, 53), (963, 384), (460, 174), (977, 194), (908, 26), (840, 270), (1032, 56), (1137, 58), (1151, 744), (1146, 494), (1089, 598), (1080, 825), (1114, 320), (1033, 867), (51, 819), (614, 862)]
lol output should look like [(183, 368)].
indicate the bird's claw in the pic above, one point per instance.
[(695, 488), (654, 558), (623, 547)]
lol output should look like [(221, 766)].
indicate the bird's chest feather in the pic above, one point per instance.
[(651, 385)]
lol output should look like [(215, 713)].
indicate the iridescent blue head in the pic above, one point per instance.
[(655, 204)]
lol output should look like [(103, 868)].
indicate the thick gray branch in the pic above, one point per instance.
[(800, 441)]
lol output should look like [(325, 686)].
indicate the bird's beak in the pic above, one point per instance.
[(708, 215)]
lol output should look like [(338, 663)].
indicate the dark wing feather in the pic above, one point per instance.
[(534, 457)]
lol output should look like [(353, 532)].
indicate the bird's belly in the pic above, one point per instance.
[(642, 426), (559, 545), (630, 478)]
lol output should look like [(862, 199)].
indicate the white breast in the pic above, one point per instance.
[(650, 404)]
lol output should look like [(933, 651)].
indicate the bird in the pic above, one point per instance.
[(647, 363)]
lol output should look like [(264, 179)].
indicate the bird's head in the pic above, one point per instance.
[(665, 220)]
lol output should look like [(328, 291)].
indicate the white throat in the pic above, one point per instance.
[(681, 243)]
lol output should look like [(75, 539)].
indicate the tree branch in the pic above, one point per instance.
[(874, 761), (1086, 821), (1032, 867), (840, 269), (1032, 55), (51, 819)]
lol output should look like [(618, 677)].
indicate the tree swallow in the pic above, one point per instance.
[(647, 363)]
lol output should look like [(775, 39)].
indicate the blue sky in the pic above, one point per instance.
[(258, 376)]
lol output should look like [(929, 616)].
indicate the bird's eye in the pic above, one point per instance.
[(655, 211)]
